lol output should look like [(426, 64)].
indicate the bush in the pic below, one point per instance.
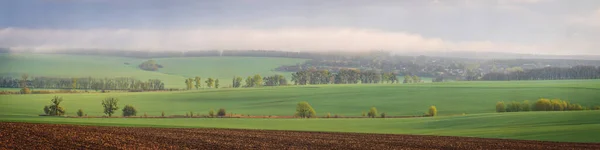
[(542, 105), (500, 107), (328, 115), (364, 114), (382, 115), (25, 91), (513, 107), (47, 110), (304, 110), (221, 112), (129, 110), (191, 114), (145, 115), (525, 106), (558, 105), (372, 112), (55, 109), (162, 114), (432, 111), (597, 107), (211, 113), (80, 112)]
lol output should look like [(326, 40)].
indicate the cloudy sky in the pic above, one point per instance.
[(519, 26)]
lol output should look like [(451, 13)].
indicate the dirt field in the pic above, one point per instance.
[(49, 136)]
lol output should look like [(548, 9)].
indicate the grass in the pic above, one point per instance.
[(173, 74), (475, 99)]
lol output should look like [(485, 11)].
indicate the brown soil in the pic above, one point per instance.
[(51, 136)]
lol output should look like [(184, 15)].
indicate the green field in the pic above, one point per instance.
[(173, 74), (475, 99)]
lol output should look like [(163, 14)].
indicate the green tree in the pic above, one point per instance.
[(257, 79), (408, 79), (80, 112), (249, 82), (55, 109), (500, 107), (162, 114), (198, 81), (372, 112), (210, 82), (221, 112), (416, 79), (432, 111), (383, 115), (129, 110), (217, 83), (364, 114), (237, 82), (211, 113), (23, 82), (304, 110), (525, 106), (110, 105), (74, 84)]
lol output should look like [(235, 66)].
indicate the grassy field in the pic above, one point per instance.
[(173, 74), (475, 99)]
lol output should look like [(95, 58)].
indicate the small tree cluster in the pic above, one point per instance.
[(54, 109), (542, 104), (304, 110), (80, 112), (211, 113)]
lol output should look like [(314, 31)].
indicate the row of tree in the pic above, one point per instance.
[(547, 73), (88, 83), (343, 76), (542, 104), (197, 83)]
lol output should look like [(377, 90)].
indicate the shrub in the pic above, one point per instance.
[(129, 110), (162, 114), (558, 105), (383, 115), (575, 107), (304, 110), (25, 91), (191, 114), (211, 113), (47, 110), (542, 105), (145, 115), (500, 107), (597, 107), (513, 107), (328, 115), (110, 105), (432, 111), (55, 109), (336, 116), (525, 106), (221, 112), (372, 112), (80, 112), (364, 114)]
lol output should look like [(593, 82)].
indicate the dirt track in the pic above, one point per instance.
[(48, 136)]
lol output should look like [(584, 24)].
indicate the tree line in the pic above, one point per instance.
[(86, 83), (547, 73), (343, 76), (541, 104)]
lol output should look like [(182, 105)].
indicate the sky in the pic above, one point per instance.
[(559, 27)]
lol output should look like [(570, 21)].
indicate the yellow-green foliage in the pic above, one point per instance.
[(304, 110), (500, 107), (514, 107), (373, 112), (432, 111), (543, 105)]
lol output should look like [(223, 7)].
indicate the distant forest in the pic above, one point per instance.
[(439, 68), (86, 83)]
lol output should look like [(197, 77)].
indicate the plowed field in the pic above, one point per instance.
[(52, 136)]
